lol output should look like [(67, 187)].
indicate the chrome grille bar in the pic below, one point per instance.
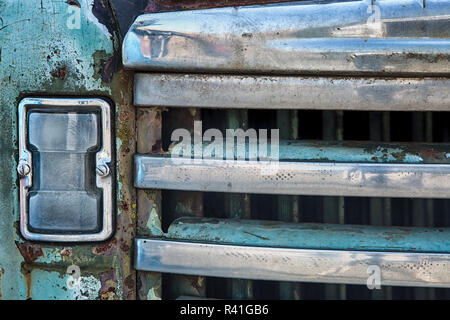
[(305, 178), (332, 266), (388, 37), (272, 92)]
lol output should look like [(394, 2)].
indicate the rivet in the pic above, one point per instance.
[(102, 170), (23, 168)]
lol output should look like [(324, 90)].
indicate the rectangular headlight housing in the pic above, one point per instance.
[(64, 169)]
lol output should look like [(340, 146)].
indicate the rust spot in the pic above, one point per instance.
[(29, 252), (124, 246), (129, 281), (27, 275), (73, 3), (156, 148), (109, 67), (66, 252), (125, 206), (107, 248), (430, 154), (1, 273), (108, 281), (124, 116), (60, 73)]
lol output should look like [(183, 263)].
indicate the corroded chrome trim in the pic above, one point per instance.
[(103, 156), (388, 37), (314, 236), (297, 178), (267, 263), (272, 92)]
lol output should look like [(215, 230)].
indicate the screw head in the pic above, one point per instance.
[(23, 168), (102, 170)]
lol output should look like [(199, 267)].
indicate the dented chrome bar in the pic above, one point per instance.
[(297, 178), (388, 37), (275, 92), (267, 263)]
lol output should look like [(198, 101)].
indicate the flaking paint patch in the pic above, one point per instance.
[(46, 44), (87, 290), (154, 223), (153, 294), (108, 289), (93, 19)]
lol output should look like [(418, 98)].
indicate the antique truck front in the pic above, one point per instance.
[(354, 204)]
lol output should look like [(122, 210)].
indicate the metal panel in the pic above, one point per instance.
[(272, 92), (306, 178), (333, 266), (58, 56), (312, 37)]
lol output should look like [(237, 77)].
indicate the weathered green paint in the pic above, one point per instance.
[(42, 56), (354, 151), (311, 235)]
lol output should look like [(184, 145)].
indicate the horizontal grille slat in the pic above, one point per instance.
[(272, 92), (330, 266), (298, 178)]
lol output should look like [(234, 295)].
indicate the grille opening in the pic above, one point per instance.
[(430, 127), (270, 290)]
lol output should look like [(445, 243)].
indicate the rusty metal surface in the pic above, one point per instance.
[(43, 55), (149, 131)]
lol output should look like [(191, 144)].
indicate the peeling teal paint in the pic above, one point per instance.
[(40, 55), (310, 236), (345, 151)]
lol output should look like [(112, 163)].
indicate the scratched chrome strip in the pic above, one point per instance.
[(302, 178), (272, 92), (388, 37), (267, 263)]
